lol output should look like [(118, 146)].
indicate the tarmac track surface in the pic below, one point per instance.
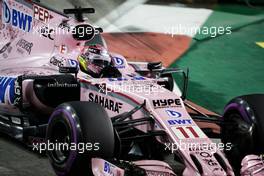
[(18, 160)]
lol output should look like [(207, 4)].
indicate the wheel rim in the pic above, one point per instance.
[(60, 135)]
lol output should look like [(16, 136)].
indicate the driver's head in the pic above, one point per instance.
[(94, 59)]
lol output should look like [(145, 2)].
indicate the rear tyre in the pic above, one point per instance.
[(84, 125), (243, 127)]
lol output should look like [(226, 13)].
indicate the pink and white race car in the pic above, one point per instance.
[(130, 119)]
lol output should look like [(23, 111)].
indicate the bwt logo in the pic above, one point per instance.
[(108, 168), (180, 122), (73, 63), (16, 18), (172, 113), (119, 62)]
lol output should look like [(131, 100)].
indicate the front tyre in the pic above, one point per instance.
[(243, 127), (78, 131)]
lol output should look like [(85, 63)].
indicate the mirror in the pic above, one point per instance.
[(181, 79)]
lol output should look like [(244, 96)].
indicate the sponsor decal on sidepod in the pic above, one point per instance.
[(16, 18), (7, 90), (105, 102)]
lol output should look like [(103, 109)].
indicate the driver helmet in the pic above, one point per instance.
[(94, 59)]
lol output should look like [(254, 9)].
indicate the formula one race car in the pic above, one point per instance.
[(95, 113)]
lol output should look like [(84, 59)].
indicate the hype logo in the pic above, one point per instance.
[(16, 18)]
